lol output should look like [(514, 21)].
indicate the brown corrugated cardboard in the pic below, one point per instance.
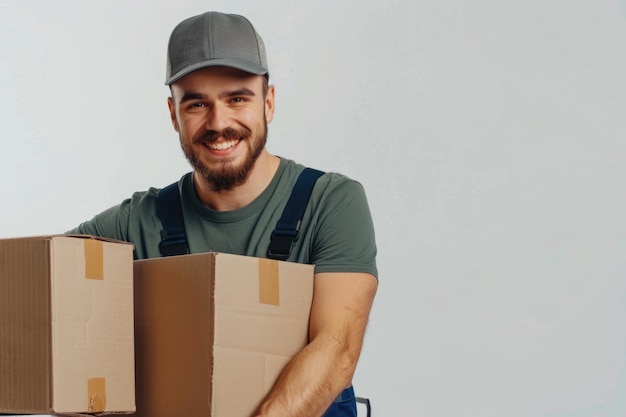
[(66, 325), (213, 331)]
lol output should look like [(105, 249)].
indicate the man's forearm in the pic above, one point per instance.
[(311, 381)]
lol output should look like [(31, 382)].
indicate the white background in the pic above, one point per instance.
[(489, 134)]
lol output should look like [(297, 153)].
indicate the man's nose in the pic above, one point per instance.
[(217, 118)]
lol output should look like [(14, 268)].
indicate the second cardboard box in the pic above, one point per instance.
[(213, 331)]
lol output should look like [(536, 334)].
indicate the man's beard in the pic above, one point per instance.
[(228, 176)]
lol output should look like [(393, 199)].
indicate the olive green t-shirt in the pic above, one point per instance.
[(336, 233)]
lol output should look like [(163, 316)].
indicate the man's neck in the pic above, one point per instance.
[(260, 177)]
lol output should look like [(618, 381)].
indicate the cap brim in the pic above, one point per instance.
[(222, 62)]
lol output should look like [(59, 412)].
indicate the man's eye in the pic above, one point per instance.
[(237, 100), (198, 104)]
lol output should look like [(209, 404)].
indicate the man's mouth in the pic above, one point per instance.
[(221, 146)]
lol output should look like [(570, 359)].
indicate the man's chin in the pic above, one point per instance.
[(224, 179)]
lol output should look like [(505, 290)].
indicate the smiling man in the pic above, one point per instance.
[(220, 105)]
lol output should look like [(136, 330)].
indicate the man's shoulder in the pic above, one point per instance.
[(331, 187), (336, 182), (151, 193), (329, 178)]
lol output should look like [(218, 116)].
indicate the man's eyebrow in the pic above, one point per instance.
[(243, 91), (192, 97)]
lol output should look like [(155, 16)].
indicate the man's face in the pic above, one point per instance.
[(221, 115)]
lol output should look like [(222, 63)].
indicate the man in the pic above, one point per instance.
[(220, 105)]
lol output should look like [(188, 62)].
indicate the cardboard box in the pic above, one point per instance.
[(213, 331), (66, 326)]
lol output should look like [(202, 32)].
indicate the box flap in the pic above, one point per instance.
[(174, 335), (92, 325)]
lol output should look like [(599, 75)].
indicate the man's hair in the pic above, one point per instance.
[(266, 84)]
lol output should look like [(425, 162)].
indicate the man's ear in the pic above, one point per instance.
[(172, 108), (269, 104)]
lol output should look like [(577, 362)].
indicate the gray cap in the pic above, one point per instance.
[(214, 39)]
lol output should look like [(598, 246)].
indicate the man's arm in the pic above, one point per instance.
[(320, 371)]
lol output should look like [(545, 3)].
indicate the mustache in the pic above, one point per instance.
[(228, 133)]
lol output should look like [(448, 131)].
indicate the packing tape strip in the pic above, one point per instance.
[(269, 282), (96, 389), (94, 259)]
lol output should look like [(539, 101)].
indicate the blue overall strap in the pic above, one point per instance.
[(169, 210), (288, 226)]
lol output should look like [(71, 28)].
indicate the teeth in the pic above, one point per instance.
[(220, 146)]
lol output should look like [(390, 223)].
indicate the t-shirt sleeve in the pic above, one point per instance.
[(345, 239), (111, 223)]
